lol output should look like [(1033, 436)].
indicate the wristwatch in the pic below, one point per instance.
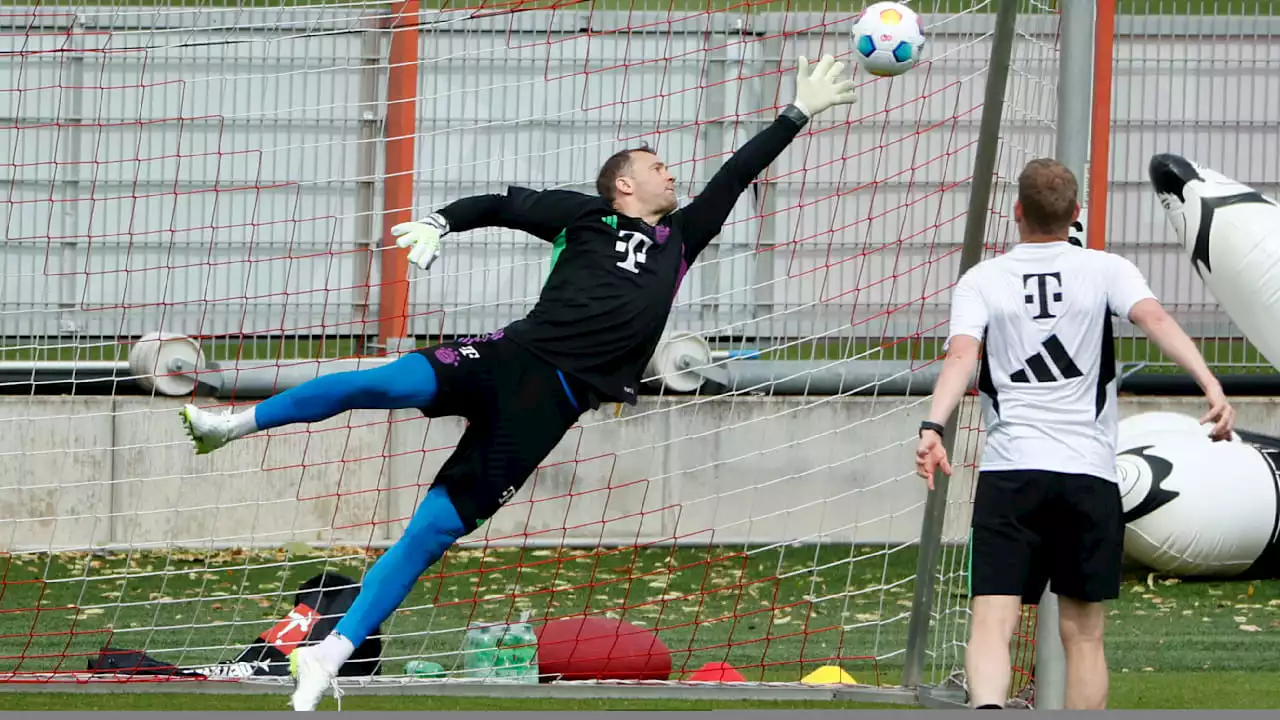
[(927, 425)]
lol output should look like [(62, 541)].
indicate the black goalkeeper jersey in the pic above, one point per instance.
[(604, 307)]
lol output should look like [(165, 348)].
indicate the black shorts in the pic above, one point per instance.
[(517, 408), (1032, 527)]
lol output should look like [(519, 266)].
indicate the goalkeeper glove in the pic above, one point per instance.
[(423, 237), (818, 90)]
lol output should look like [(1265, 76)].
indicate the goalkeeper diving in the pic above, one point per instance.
[(601, 313)]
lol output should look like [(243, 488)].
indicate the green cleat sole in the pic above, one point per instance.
[(201, 447)]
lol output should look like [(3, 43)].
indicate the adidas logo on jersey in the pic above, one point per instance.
[(1038, 364)]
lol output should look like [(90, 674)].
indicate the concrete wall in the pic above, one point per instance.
[(77, 473)]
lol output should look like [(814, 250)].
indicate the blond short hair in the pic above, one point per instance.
[(1047, 191)]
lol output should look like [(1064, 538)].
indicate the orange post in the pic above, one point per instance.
[(1100, 126), (402, 107)]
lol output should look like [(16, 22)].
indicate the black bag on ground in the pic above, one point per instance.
[(318, 606), (132, 662)]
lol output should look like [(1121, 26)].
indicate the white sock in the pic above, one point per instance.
[(244, 423), (333, 652)]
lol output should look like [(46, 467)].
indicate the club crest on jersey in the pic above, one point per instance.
[(636, 246)]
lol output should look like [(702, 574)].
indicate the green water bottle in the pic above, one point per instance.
[(424, 669), (519, 653), (480, 650), (501, 651)]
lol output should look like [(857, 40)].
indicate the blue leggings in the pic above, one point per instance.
[(434, 528), (406, 382)]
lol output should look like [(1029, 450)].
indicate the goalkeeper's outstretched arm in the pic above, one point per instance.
[(542, 214), (816, 91)]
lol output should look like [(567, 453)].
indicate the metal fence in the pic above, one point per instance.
[(217, 172)]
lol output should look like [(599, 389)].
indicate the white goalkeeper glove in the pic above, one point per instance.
[(423, 238), (818, 90)]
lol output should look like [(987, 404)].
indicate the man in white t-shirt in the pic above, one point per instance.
[(1047, 506)]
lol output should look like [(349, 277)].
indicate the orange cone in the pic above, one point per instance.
[(716, 672)]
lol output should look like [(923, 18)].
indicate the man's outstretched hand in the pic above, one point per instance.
[(422, 237), (822, 87), (1221, 414), (931, 455)]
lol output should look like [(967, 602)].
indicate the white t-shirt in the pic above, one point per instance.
[(1047, 377)]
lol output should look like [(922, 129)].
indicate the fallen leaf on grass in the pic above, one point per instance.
[(297, 548)]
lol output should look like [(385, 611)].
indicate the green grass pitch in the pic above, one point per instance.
[(1171, 643)]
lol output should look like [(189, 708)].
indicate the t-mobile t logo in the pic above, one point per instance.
[(1040, 297), (635, 245)]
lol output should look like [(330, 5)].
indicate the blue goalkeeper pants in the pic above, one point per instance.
[(518, 408), (405, 383)]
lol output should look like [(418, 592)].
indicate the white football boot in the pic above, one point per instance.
[(209, 431), (311, 680)]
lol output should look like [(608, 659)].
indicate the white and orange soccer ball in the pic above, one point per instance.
[(888, 38)]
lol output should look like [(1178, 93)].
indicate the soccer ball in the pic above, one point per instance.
[(888, 38)]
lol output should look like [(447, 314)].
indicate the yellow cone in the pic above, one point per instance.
[(829, 675)]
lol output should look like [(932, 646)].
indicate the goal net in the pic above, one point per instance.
[(199, 208)]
